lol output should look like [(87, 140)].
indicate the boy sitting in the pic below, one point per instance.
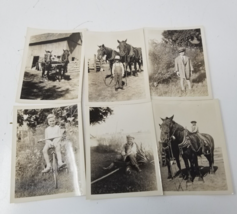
[(52, 136)]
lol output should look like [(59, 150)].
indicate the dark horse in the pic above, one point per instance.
[(65, 61), (189, 145), (130, 55), (109, 53), (48, 65)]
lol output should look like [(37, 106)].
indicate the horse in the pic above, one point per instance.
[(109, 53), (65, 61), (130, 55), (189, 145), (46, 64)]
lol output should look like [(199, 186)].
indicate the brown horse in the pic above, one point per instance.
[(130, 55), (189, 145), (109, 53)]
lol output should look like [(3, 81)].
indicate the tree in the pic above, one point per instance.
[(184, 38), (35, 117), (99, 114)]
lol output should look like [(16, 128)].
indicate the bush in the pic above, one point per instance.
[(112, 144), (161, 60)]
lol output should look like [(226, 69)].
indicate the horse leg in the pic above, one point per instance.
[(110, 67), (139, 65), (169, 169), (135, 68), (188, 175), (130, 68), (210, 158), (176, 156), (196, 167)]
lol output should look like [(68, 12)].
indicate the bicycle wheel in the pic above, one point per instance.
[(55, 171)]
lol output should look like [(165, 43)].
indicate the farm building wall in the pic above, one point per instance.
[(39, 50)]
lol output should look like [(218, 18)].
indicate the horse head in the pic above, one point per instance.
[(66, 54), (166, 129), (47, 56), (123, 47), (101, 52)]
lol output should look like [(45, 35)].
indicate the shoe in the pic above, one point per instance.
[(116, 89), (47, 169), (61, 165), (109, 167), (122, 88)]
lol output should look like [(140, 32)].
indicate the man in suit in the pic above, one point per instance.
[(183, 68)]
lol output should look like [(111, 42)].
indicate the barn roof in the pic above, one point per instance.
[(48, 37)]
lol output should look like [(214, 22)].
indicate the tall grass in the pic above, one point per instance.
[(30, 162), (113, 143)]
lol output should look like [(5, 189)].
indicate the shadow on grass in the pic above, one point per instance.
[(199, 78), (204, 171), (34, 90)]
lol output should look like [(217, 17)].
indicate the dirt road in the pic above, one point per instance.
[(99, 92)]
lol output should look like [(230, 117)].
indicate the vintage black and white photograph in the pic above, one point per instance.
[(47, 153), (192, 147), (122, 156), (116, 68), (177, 63), (52, 66)]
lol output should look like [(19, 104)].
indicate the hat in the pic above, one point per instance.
[(193, 121), (181, 49), (129, 137), (50, 116), (117, 57)]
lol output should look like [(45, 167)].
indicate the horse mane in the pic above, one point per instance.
[(177, 126)]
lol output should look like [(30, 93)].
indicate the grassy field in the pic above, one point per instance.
[(172, 87), (105, 152), (99, 92), (119, 182), (34, 89), (212, 182), (30, 162)]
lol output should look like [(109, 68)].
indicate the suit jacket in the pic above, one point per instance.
[(184, 67)]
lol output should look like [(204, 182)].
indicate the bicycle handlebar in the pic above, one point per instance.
[(49, 139)]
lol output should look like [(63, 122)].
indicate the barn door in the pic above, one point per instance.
[(35, 61)]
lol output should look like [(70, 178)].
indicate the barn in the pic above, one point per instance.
[(55, 42)]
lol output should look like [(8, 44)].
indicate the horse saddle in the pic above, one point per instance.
[(189, 141)]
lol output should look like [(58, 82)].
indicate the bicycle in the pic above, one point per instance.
[(54, 162)]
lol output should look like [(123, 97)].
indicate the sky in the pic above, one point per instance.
[(126, 118), (109, 39), (205, 113), (154, 34)]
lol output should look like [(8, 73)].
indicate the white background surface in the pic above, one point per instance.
[(219, 19)]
